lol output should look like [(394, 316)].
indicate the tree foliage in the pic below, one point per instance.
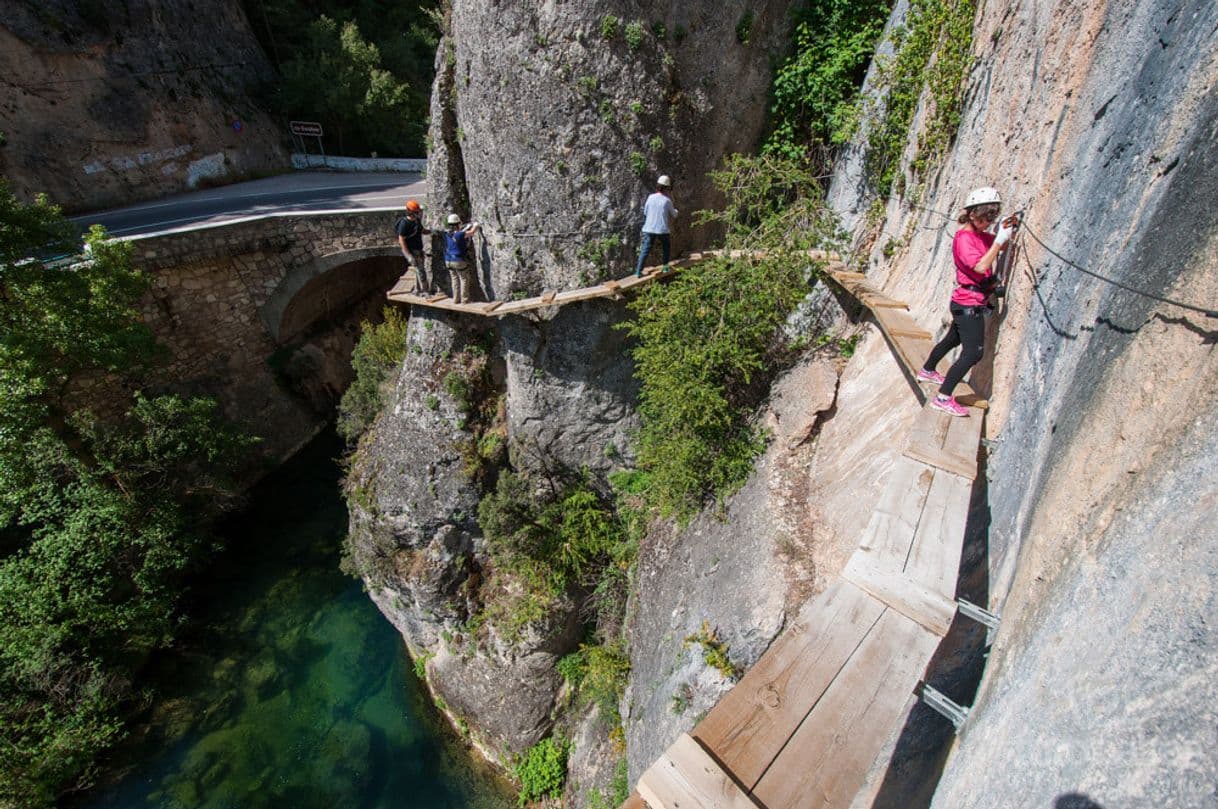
[(99, 521), (363, 69), (706, 341), (815, 88)]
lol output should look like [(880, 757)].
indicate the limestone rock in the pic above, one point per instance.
[(87, 123)]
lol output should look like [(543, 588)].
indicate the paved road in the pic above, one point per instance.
[(297, 191)]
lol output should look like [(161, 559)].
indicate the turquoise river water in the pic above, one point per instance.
[(289, 689)]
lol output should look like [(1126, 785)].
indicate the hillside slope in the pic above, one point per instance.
[(111, 101)]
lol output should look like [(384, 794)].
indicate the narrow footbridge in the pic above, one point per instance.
[(819, 709)]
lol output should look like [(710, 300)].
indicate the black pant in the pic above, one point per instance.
[(968, 329)]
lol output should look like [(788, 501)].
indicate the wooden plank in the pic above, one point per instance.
[(934, 559), (403, 286), (828, 757), (897, 319), (635, 801), (439, 297), (752, 722), (492, 306), (929, 441), (915, 333), (686, 777), (584, 294), (894, 588), (612, 286), (963, 436), (929, 430), (548, 296), (890, 532)]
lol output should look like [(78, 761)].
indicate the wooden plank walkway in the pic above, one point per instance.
[(403, 290), (807, 722)]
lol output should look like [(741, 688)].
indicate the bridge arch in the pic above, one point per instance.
[(327, 285)]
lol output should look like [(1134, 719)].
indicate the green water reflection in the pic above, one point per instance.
[(290, 689)]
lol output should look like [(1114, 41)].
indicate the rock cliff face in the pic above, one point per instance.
[(1095, 518), (1101, 121), (110, 101), (550, 124)]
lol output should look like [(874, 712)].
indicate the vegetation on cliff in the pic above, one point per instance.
[(709, 341), (363, 70), (100, 520), (815, 90), (933, 50), (375, 360)]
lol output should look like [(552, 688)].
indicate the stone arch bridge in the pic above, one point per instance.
[(262, 313)]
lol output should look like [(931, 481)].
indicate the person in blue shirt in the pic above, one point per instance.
[(457, 256), (658, 213)]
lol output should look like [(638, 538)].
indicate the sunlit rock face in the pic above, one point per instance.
[(1100, 121)]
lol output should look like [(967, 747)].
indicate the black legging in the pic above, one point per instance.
[(968, 328)]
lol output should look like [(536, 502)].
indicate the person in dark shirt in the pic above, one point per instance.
[(410, 232)]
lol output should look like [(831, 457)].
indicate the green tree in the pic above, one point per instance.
[(338, 77), (815, 88), (708, 342), (100, 521)]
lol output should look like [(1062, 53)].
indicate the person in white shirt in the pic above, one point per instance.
[(658, 212)]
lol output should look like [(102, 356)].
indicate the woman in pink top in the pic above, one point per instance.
[(974, 251)]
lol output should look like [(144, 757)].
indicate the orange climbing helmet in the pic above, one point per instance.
[(413, 206)]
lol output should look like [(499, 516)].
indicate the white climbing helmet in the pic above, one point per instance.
[(982, 196), (664, 181), (453, 219)]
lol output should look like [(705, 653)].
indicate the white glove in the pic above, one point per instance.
[(1005, 232)]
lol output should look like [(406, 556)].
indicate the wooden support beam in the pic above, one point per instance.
[(878, 301), (686, 777), (492, 306)]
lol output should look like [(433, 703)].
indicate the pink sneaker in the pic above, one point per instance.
[(924, 375), (949, 406)]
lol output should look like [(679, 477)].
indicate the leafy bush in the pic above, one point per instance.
[(376, 358), (634, 35), (573, 667), (604, 683), (933, 50), (542, 771), (815, 89), (547, 540), (706, 340), (609, 25)]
